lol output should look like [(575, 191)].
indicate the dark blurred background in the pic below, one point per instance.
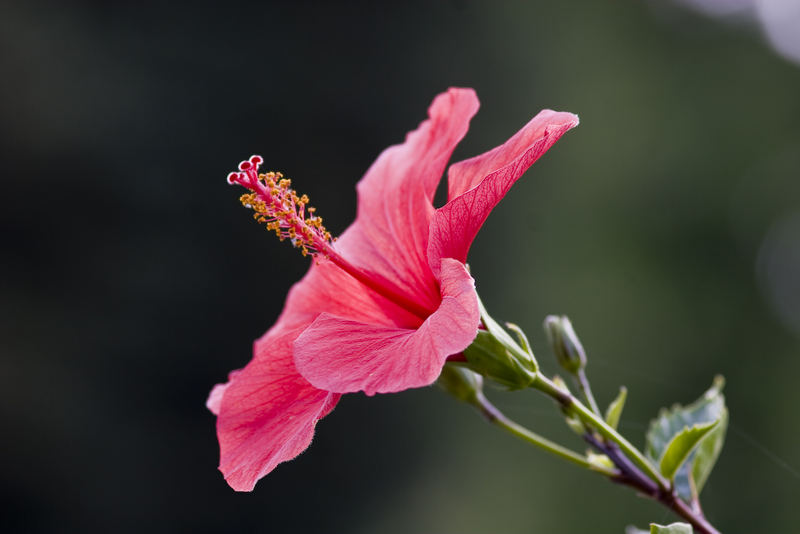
[(667, 226)]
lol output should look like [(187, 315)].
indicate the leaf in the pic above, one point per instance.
[(707, 453), (614, 410), (681, 446), (630, 529), (674, 528), (709, 408)]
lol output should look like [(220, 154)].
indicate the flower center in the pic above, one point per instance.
[(277, 205)]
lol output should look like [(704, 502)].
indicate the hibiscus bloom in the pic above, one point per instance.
[(381, 308)]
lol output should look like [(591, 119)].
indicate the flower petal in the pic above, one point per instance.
[(344, 355), (214, 401), (476, 185), (464, 175), (395, 199), (268, 412)]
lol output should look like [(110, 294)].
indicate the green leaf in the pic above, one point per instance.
[(693, 473), (707, 453), (681, 446), (614, 410), (630, 529), (674, 528)]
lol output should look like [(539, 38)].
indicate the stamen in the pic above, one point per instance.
[(278, 206)]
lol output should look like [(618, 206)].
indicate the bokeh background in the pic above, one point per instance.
[(667, 226)]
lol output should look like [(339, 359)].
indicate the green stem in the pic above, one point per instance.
[(583, 384), (496, 417), (587, 416)]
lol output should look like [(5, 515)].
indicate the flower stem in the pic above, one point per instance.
[(583, 384), (496, 417), (631, 476), (574, 406)]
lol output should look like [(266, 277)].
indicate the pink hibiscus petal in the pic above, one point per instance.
[(395, 199), (344, 355), (464, 175), (476, 185), (214, 401), (268, 412)]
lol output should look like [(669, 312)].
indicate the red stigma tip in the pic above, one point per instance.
[(243, 166), (256, 160)]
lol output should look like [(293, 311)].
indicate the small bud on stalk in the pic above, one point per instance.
[(566, 345), (461, 383)]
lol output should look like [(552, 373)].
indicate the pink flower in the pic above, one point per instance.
[(382, 307)]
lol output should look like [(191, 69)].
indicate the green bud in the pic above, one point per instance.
[(565, 343), (460, 382)]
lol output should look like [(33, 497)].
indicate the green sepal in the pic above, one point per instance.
[(521, 337), (681, 446), (614, 411), (494, 354), (525, 357), (575, 425), (599, 461), (674, 528), (488, 356), (693, 473)]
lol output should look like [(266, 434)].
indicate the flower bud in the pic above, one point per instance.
[(565, 343), (460, 382)]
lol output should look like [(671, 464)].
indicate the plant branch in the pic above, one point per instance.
[(573, 406), (626, 471), (497, 418)]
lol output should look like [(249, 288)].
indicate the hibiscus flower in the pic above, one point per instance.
[(382, 307)]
